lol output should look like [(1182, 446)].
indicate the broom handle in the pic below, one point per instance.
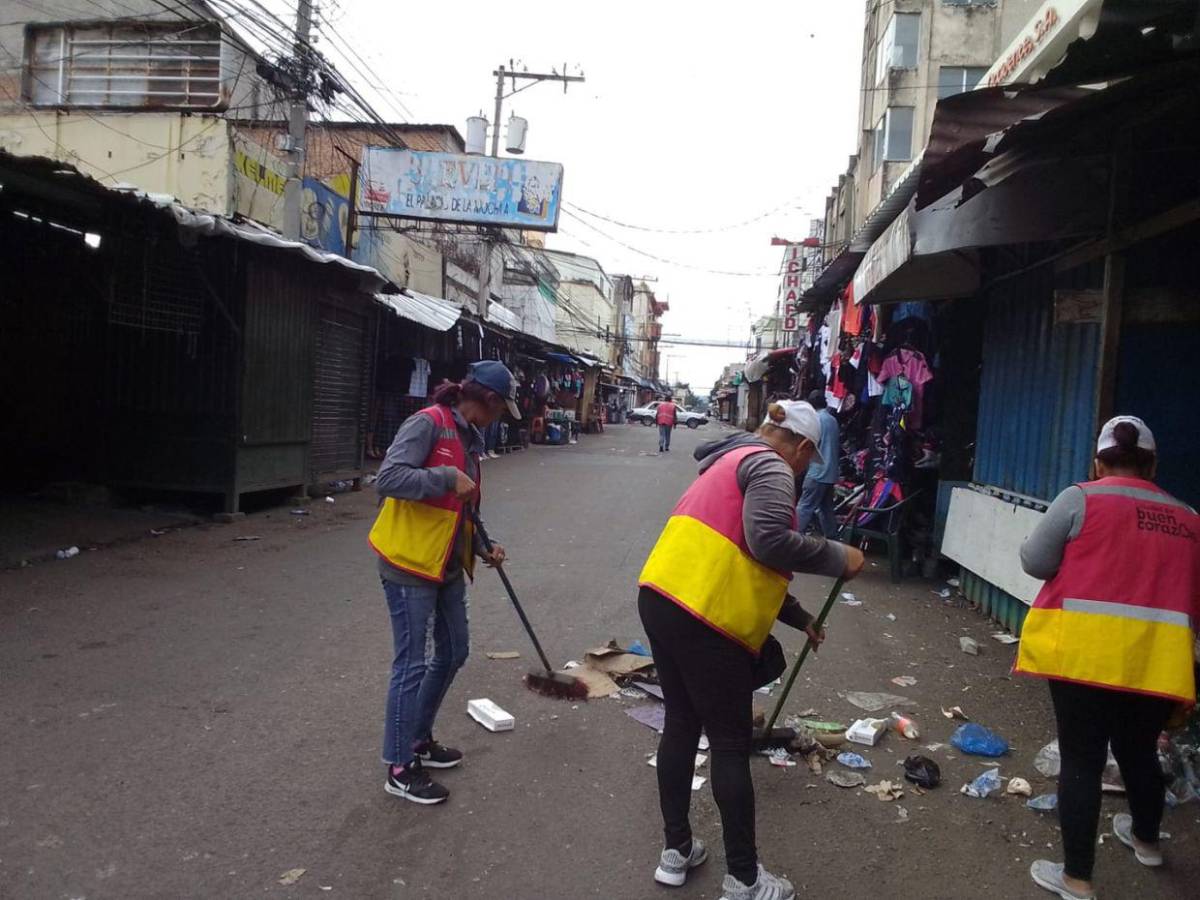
[(512, 595), (818, 624)]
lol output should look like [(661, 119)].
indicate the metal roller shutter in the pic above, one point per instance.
[(338, 391)]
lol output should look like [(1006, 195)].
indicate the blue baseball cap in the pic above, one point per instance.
[(495, 377)]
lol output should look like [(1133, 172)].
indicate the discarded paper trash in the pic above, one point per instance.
[(1048, 762), (503, 654), (780, 757), (489, 715), (845, 779), (652, 715), (69, 553), (955, 712), (867, 731), (1005, 638), (886, 790), (969, 645), (291, 876), (1020, 787), (922, 771), (978, 741), (983, 786), (613, 660), (904, 680)]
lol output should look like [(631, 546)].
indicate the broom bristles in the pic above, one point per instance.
[(554, 684)]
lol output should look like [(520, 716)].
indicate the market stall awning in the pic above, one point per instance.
[(562, 358), (893, 271), (589, 362), (646, 383), (432, 312), (503, 316), (758, 367)]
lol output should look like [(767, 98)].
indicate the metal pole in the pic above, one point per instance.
[(499, 110), (486, 248), (297, 120)]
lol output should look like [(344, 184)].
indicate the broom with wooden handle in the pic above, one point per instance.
[(549, 683)]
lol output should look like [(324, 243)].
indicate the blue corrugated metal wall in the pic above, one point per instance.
[(1037, 396), (1037, 404)]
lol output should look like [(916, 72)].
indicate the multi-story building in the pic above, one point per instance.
[(915, 52), (584, 314), (647, 315)]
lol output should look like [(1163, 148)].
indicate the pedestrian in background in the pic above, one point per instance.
[(1112, 629), (816, 497), (667, 415), (715, 583), (427, 546)]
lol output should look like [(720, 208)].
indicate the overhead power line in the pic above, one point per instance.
[(657, 230)]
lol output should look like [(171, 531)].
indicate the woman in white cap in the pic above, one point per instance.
[(1112, 629), (714, 584)]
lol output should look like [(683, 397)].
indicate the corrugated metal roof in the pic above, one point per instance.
[(432, 312), (501, 315)]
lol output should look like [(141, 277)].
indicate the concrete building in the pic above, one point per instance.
[(647, 315), (915, 52), (584, 313)]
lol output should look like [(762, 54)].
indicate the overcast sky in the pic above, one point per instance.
[(688, 119)]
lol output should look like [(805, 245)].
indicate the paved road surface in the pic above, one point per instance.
[(190, 716)]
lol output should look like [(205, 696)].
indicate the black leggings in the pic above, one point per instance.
[(1089, 718), (707, 682)]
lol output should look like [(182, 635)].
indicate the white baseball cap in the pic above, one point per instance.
[(799, 417), (1108, 437)]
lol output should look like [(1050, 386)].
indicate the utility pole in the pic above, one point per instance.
[(293, 190), (486, 247)]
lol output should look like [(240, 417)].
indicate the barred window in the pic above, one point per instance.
[(124, 65)]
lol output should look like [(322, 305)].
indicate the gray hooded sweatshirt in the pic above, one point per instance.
[(768, 514)]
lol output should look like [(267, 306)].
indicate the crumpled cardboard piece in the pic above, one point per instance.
[(615, 660), (598, 683)]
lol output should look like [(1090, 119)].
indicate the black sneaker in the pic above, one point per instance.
[(435, 756), (413, 783)]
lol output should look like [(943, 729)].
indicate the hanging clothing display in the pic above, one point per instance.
[(912, 366), (418, 385)]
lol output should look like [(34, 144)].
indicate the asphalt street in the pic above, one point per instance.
[(195, 716)]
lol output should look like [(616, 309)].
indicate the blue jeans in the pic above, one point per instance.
[(816, 499), (429, 634), (491, 437), (664, 437)]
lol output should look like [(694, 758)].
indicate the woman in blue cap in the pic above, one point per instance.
[(426, 545)]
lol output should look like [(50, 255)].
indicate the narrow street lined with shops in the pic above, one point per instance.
[(193, 715)]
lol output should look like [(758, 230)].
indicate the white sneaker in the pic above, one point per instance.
[(1049, 875), (673, 866), (1123, 829), (766, 887)]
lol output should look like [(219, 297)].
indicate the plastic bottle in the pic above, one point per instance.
[(905, 726)]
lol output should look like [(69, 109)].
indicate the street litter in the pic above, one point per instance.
[(904, 726), (922, 771), (867, 731), (330, 500), (873, 702), (654, 690), (1180, 761), (299, 512), (850, 598), (503, 654), (1043, 803), (571, 664), (983, 786), (944, 593), (797, 722), (901, 814), (630, 693), (935, 747), (978, 741), (886, 790), (1020, 787), (69, 553), (891, 617), (698, 782), (291, 876), (953, 582), (767, 688), (845, 779), (1005, 638), (247, 537), (703, 745), (780, 757), (159, 532), (652, 715), (853, 761), (489, 715), (970, 646), (904, 680), (955, 712), (639, 648)]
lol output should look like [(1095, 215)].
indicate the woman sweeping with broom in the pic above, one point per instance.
[(426, 543), (713, 586)]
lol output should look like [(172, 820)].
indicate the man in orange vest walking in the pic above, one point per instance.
[(667, 416), (1113, 630), (715, 583)]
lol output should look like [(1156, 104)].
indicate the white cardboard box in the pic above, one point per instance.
[(489, 715)]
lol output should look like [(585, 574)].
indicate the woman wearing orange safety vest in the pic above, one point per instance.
[(715, 583), (426, 544), (1112, 629)]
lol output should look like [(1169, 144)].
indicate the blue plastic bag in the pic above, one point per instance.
[(978, 741), (853, 761), (983, 786)]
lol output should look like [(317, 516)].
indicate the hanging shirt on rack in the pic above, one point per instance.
[(418, 385), (911, 364), (852, 313)]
